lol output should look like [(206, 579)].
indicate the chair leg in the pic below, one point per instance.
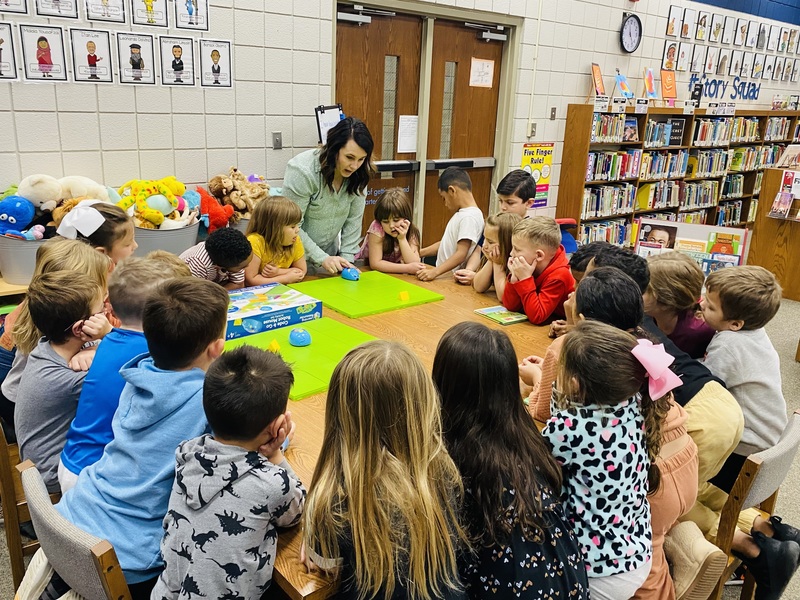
[(748, 588), (717, 593), (14, 543)]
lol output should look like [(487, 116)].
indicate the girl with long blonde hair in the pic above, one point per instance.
[(383, 503), (278, 253), (20, 336), (496, 250)]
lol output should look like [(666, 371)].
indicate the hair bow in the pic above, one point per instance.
[(656, 362), (83, 219)]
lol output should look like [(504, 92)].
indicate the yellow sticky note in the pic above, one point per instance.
[(274, 346), (403, 296), (237, 322)]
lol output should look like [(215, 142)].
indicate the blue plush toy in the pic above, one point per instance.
[(16, 213)]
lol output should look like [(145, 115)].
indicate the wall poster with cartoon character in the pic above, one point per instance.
[(65, 9), (107, 11), (191, 14), (91, 56), (43, 53), (136, 58), (152, 13), (177, 60), (8, 58), (215, 64), (14, 6)]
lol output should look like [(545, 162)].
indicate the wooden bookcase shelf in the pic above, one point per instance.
[(628, 194)]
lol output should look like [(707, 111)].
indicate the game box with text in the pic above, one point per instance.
[(263, 307)]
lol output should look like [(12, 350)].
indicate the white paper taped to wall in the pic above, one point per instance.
[(481, 73), (407, 134), (327, 117)]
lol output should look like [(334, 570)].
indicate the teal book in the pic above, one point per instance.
[(499, 314)]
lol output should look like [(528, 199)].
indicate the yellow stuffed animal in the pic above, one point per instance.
[(152, 200)]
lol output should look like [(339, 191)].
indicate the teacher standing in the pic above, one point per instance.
[(328, 184)]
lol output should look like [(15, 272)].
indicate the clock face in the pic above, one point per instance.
[(630, 34)]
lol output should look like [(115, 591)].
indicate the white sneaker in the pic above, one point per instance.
[(697, 564)]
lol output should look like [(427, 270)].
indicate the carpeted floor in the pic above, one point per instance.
[(785, 334)]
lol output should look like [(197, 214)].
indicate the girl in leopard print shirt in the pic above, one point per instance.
[(605, 432)]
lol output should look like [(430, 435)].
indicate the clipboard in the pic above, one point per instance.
[(327, 117)]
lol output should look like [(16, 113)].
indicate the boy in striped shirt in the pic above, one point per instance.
[(221, 258)]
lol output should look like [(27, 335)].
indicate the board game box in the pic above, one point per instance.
[(264, 307)]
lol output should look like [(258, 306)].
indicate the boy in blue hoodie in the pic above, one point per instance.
[(124, 496), (129, 287)]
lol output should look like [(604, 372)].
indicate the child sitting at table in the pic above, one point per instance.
[(130, 286), (539, 280), (233, 487), (392, 241), (278, 253), (463, 229), (496, 251), (382, 506), (222, 258), (124, 496), (676, 282), (513, 483)]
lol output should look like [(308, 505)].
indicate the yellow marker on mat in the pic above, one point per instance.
[(403, 296), (274, 346)]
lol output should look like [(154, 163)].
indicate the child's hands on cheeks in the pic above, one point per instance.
[(520, 269), (95, 327), (492, 253), (402, 228), (559, 327), (282, 428)]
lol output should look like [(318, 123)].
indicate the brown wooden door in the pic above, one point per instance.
[(463, 117), (377, 80)]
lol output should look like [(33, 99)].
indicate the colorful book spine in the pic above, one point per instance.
[(712, 132), (662, 165), (733, 187), (616, 231), (777, 128), (613, 166), (608, 200), (745, 129), (608, 128), (700, 194)]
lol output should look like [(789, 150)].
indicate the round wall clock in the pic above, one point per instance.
[(630, 34)]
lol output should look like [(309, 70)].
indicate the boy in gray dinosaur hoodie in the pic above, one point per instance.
[(233, 487)]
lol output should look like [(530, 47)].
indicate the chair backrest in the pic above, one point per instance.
[(86, 563), (775, 463)]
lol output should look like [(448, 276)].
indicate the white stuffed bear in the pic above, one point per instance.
[(75, 186), (42, 190)]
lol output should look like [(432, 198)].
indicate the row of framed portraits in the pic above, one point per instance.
[(691, 24), (186, 14), (696, 58), (95, 58)]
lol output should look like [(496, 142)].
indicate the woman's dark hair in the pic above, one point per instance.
[(608, 295), (345, 130), (489, 434)]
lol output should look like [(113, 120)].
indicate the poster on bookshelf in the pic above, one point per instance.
[(701, 242)]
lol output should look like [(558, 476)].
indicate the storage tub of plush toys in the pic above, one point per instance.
[(18, 259), (171, 240)]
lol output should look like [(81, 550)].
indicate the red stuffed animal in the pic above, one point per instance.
[(218, 215)]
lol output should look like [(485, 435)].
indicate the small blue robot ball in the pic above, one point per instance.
[(252, 325), (299, 337), (351, 274)]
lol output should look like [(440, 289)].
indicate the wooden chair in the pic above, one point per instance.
[(757, 486), (86, 563), (15, 509)]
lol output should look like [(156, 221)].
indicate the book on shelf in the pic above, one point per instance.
[(645, 249), (631, 132), (696, 256), (499, 314), (676, 131), (730, 213), (781, 205), (790, 157), (732, 259), (687, 245), (710, 265)]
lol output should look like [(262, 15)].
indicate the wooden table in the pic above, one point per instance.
[(420, 328)]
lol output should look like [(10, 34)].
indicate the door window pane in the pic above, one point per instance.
[(447, 108), (389, 106)]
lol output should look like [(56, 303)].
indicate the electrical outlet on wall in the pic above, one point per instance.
[(277, 140), (531, 129), (553, 114)]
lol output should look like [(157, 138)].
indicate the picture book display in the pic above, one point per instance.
[(373, 293), (781, 206), (700, 242), (265, 307), (499, 314), (312, 365)]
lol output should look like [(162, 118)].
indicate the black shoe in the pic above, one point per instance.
[(784, 532), (773, 567)]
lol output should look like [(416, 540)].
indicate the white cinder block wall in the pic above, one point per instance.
[(282, 66)]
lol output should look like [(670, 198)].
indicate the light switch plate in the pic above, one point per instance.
[(277, 140)]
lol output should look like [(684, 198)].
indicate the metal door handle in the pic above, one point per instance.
[(397, 166)]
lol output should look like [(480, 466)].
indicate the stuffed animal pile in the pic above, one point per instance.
[(241, 192)]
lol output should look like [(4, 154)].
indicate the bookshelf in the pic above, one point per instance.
[(776, 242), (697, 168)]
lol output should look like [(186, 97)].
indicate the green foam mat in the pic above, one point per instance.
[(312, 365), (373, 293)]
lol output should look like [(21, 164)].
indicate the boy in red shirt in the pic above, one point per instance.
[(540, 279)]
